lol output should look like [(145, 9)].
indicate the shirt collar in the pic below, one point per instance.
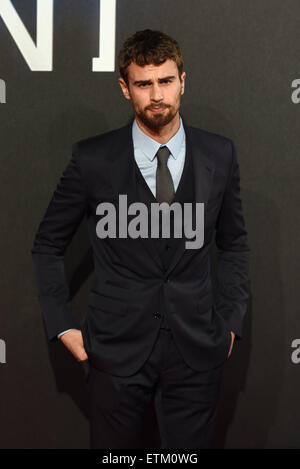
[(149, 146)]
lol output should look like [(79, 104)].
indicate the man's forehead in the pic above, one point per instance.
[(136, 71)]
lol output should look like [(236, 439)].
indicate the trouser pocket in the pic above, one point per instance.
[(86, 368)]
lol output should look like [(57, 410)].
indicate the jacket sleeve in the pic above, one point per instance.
[(232, 269), (63, 215)]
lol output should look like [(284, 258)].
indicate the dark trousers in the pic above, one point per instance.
[(186, 403)]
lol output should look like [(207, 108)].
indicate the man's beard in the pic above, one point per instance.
[(156, 121)]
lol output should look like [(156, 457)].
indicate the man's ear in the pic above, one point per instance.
[(183, 75), (124, 88)]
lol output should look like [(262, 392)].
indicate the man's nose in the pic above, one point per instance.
[(156, 93)]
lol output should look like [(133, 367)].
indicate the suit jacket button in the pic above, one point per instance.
[(157, 315)]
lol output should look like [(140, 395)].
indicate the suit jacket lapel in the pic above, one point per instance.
[(203, 176), (122, 176)]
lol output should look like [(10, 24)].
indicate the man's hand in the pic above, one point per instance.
[(232, 340), (74, 342)]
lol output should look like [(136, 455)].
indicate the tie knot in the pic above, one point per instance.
[(162, 155)]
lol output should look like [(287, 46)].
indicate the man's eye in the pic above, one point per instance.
[(142, 85)]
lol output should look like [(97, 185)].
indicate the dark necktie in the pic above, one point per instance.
[(164, 182)]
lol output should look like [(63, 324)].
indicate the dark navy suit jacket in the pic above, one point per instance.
[(120, 325)]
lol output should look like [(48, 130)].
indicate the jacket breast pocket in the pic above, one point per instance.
[(107, 304)]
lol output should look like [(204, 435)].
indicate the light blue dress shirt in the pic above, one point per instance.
[(145, 149)]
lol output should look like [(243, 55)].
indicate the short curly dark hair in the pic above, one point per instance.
[(149, 47)]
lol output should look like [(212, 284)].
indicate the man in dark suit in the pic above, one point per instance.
[(153, 326)]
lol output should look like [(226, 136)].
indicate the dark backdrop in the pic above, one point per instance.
[(240, 57)]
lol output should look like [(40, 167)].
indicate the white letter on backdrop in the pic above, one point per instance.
[(107, 31), (39, 56)]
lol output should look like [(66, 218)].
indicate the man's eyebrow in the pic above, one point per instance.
[(138, 82)]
